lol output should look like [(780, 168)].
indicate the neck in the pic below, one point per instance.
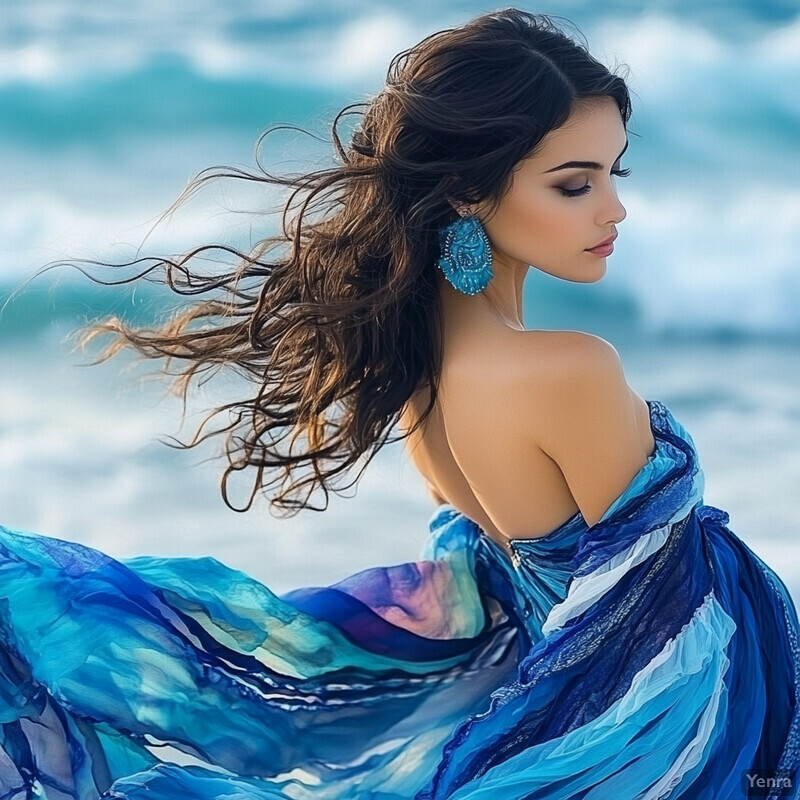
[(499, 303)]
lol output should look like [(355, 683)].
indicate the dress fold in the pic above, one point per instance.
[(650, 655)]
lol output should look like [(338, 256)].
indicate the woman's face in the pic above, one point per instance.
[(552, 214)]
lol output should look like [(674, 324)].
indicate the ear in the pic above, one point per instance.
[(462, 209), (458, 206)]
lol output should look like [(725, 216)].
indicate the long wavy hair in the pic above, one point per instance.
[(335, 322)]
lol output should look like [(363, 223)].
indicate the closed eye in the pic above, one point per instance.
[(621, 173)]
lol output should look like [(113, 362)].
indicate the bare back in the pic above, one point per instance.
[(470, 450)]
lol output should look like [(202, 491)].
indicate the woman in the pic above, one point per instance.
[(580, 625)]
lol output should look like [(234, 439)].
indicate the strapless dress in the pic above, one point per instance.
[(651, 655)]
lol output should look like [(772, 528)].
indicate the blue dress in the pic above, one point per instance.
[(651, 655)]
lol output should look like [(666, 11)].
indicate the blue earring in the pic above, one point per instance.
[(466, 255)]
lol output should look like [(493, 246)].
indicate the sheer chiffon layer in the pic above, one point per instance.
[(650, 655)]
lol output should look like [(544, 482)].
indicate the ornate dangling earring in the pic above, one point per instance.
[(466, 255)]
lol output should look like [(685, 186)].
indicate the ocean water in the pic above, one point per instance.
[(106, 114)]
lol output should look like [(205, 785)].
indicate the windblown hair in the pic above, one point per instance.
[(338, 328)]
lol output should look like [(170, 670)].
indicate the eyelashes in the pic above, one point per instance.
[(621, 173)]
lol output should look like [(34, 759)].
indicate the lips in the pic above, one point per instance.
[(605, 242)]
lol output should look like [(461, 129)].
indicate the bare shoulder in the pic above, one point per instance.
[(581, 412), (562, 352), (556, 362)]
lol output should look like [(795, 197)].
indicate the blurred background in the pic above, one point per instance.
[(107, 112)]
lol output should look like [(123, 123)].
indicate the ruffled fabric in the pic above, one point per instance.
[(650, 655)]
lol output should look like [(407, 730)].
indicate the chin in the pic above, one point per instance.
[(595, 278), (576, 274)]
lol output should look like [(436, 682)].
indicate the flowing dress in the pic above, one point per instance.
[(650, 655)]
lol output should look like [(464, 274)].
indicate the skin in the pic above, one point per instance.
[(470, 451), (536, 225)]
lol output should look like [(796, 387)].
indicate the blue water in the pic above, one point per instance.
[(106, 113)]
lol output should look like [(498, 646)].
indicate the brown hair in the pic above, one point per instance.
[(335, 321)]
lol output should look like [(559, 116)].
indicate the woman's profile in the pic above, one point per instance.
[(580, 623)]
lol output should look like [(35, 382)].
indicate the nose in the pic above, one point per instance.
[(613, 211)]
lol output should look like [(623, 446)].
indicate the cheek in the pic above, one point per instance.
[(557, 216), (536, 223)]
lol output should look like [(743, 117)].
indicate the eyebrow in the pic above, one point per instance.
[(584, 164)]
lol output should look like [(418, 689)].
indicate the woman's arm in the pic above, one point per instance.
[(585, 419)]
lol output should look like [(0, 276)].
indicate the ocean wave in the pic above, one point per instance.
[(106, 118)]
